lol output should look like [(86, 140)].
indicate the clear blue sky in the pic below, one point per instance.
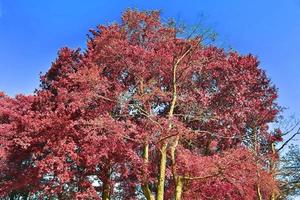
[(32, 31)]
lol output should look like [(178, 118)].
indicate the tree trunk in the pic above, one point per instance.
[(147, 192), (177, 179), (256, 153), (178, 188), (145, 187), (273, 169), (273, 197), (162, 172), (259, 195), (106, 191), (106, 187)]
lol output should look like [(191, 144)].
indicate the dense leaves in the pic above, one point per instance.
[(141, 113)]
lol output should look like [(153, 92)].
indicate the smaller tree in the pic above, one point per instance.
[(282, 163), (290, 172)]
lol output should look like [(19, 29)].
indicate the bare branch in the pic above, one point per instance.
[(200, 177), (287, 141)]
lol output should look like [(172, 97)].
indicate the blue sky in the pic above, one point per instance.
[(32, 31)]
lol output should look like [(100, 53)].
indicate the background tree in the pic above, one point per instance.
[(286, 166), (290, 172)]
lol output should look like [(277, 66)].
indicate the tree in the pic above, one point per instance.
[(284, 165), (289, 172), (141, 113)]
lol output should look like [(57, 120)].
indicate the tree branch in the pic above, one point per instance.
[(286, 142)]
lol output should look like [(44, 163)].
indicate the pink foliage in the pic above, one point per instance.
[(96, 109)]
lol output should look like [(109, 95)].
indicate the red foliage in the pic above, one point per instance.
[(96, 110)]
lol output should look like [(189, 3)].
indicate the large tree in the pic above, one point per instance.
[(141, 113)]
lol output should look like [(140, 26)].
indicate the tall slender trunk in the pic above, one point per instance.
[(256, 153), (178, 181), (178, 188), (259, 195), (145, 187), (162, 172), (273, 169), (163, 159)]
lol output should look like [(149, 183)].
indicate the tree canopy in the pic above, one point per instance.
[(142, 113)]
